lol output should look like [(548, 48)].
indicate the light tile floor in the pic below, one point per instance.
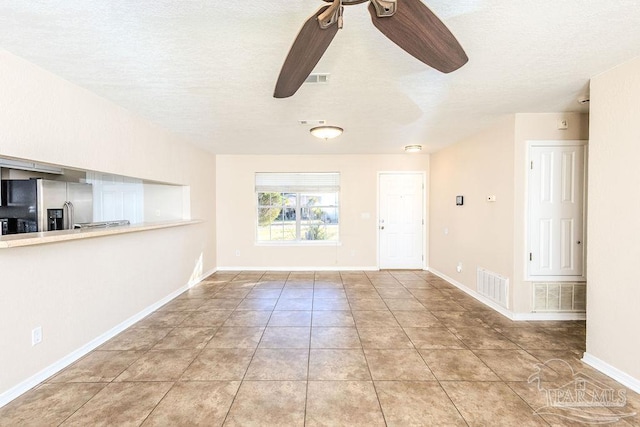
[(327, 349)]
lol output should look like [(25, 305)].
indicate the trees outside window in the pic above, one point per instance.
[(297, 206)]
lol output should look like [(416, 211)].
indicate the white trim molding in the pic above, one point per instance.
[(70, 358), (556, 142), (203, 276), (548, 316), (613, 372), (517, 317)]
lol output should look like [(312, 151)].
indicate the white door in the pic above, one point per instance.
[(116, 198), (556, 209), (401, 220)]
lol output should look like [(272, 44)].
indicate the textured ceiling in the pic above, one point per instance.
[(206, 70)]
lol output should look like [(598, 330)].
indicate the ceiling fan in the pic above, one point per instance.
[(408, 23)]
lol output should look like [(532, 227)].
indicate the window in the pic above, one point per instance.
[(294, 207)]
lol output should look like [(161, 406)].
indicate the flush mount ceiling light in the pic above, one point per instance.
[(413, 148), (326, 132)]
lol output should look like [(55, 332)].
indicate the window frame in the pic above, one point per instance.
[(306, 189)]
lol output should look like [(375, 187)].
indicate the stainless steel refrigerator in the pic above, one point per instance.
[(44, 205), (63, 204)]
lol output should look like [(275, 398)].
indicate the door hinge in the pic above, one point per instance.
[(531, 164), (423, 222), (530, 256)]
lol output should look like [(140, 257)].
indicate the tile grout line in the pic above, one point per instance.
[(525, 343), (248, 365), (147, 351), (191, 363), (373, 383), (438, 379), (306, 397)]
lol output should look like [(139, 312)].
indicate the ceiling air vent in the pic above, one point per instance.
[(317, 78), (312, 122)]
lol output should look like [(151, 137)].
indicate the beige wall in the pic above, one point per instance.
[(79, 290), (237, 210), (492, 162), (480, 234), (164, 202), (613, 293)]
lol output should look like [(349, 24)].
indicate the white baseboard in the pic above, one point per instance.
[(548, 316), (70, 358), (474, 294), (518, 317), (203, 276), (239, 268), (613, 372)]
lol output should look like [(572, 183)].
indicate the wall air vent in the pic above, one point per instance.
[(560, 297), (317, 78), (493, 286)]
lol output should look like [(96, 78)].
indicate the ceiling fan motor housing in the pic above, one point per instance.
[(348, 2)]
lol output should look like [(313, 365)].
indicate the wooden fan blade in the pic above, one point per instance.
[(420, 33), (307, 49)]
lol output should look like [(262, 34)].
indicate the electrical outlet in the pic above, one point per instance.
[(36, 336)]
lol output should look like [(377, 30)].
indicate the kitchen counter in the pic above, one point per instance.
[(41, 238)]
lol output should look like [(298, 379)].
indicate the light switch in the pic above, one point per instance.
[(491, 198)]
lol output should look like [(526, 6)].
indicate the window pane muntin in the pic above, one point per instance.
[(301, 216)]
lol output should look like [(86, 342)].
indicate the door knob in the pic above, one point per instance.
[(578, 242), (382, 227)]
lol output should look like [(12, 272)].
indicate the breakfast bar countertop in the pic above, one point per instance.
[(41, 238)]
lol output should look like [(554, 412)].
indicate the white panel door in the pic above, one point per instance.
[(401, 220), (117, 198), (556, 205)]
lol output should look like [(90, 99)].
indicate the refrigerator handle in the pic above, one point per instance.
[(72, 217), (65, 216), (68, 214)]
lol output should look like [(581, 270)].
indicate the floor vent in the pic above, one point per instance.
[(560, 297), (493, 286)]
